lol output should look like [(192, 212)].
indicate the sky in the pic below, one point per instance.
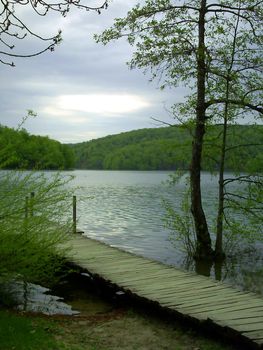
[(82, 90)]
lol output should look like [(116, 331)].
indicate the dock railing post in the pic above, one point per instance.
[(26, 208), (74, 214), (31, 204), (26, 214)]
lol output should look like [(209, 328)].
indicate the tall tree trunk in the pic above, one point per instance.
[(219, 253), (204, 249)]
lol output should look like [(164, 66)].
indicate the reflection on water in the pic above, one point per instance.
[(34, 298), (125, 209)]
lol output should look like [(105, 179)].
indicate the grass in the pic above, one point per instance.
[(25, 332), (108, 329)]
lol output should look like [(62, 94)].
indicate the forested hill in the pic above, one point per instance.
[(20, 150), (144, 149), (169, 148), (166, 148)]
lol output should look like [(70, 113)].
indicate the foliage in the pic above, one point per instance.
[(20, 150), (169, 148), (25, 333), (145, 149), (242, 221), (243, 210), (244, 148), (15, 26), (34, 212), (180, 220), (33, 228), (166, 38), (165, 148)]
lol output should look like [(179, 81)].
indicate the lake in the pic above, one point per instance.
[(125, 209)]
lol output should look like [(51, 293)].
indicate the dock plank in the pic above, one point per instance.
[(184, 292)]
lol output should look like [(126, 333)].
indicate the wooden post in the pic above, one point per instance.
[(26, 208), (31, 206), (26, 214), (74, 214)]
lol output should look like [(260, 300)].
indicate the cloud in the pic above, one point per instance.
[(62, 116), (102, 103), (82, 90)]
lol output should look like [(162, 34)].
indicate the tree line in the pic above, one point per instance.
[(20, 150), (164, 148), (169, 148)]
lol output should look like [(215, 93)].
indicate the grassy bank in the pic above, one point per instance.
[(106, 322), (100, 326), (26, 332)]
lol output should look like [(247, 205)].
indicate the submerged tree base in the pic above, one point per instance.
[(204, 253), (219, 256), (209, 255)]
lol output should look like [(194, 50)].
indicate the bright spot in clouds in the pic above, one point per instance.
[(102, 103)]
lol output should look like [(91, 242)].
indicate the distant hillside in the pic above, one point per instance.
[(169, 148), (20, 150)]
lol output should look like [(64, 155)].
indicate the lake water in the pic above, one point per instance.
[(125, 209)]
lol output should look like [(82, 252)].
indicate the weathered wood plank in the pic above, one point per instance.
[(185, 292), (253, 320)]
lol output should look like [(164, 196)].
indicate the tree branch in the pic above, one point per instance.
[(14, 28), (240, 103)]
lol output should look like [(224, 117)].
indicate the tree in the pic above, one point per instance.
[(181, 42), (20, 150), (14, 29), (33, 228), (236, 75)]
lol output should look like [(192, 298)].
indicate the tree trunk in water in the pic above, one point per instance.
[(204, 249), (219, 254)]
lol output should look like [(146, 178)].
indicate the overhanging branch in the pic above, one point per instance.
[(239, 103)]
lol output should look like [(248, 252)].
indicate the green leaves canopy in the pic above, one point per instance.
[(165, 36)]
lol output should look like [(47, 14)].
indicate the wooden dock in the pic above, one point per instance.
[(186, 294)]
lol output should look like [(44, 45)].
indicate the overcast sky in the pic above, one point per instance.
[(83, 90)]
